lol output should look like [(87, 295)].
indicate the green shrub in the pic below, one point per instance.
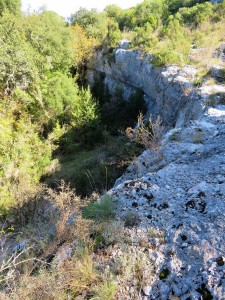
[(6, 199), (142, 37), (100, 211), (105, 291), (113, 34), (166, 57), (198, 82), (24, 157), (197, 14), (108, 233), (59, 95), (164, 274)]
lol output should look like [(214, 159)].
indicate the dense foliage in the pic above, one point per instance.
[(169, 28), (166, 28), (39, 97), (102, 28)]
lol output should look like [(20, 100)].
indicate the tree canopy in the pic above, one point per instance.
[(12, 6), (38, 94)]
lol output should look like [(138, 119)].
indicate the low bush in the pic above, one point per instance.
[(80, 274), (198, 82), (107, 233), (105, 291), (100, 211)]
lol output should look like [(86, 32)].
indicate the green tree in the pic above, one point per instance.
[(219, 10), (51, 38), (94, 23), (63, 101), (175, 5), (142, 37), (197, 14), (12, 6), (175, 45), (23, 157), (129, 19), (85, 109), (17, 63), (150, 11), (113, 35), (59, 94), (83, 50), (115, 13)]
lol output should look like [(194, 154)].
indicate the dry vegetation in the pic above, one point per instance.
[(148, 133), (73, 249)]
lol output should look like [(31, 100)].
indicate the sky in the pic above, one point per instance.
[(67, 7)]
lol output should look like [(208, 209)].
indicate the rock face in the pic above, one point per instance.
[(169, 92), (220, 52), (181, 190), (218, 72)]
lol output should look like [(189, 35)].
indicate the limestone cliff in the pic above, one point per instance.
[(180, 189), (169, 92)]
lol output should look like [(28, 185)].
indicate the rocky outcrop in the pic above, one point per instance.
[(218, 72), (220, 52), (180, 190), (169, 92)]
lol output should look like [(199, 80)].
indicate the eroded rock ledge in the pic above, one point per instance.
[(169, 92)]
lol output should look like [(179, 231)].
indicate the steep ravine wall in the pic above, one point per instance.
[(169, 91), (178, 190)]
